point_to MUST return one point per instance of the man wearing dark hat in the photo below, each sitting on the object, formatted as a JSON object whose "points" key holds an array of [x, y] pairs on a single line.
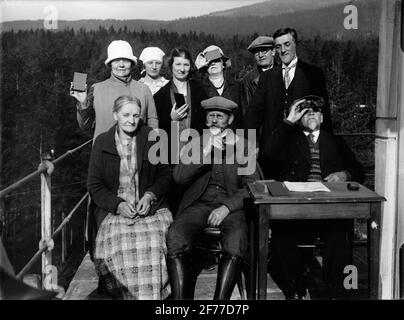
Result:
{"points": [[215, 188], [276, 91], [263, 50], [309, 153]]}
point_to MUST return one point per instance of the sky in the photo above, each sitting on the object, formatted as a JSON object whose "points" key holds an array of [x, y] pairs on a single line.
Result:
{"points": [[114, 9]]}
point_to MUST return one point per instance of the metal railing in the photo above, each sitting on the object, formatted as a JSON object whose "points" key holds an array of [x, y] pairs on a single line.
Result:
{"points": [[42, 168], [46, 243]]}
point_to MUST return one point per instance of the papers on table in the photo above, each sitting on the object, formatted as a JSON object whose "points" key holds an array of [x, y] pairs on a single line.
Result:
{"points": [[305, 186]]}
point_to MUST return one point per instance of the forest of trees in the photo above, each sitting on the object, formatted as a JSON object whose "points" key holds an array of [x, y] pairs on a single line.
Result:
{"points": [[37, 112]]}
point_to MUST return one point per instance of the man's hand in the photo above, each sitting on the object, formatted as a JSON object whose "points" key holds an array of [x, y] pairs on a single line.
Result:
{"points": [[218, 142], [216, 216], [294, 114], [144, 204], [339, 176], [215, 141], [126, 210]]}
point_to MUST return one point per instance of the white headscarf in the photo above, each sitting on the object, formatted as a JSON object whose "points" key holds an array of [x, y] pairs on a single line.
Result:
{"points": [[152, 53]]}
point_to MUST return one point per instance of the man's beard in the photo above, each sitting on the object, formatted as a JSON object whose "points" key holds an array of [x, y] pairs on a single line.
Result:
{"points": [[215, 130]]}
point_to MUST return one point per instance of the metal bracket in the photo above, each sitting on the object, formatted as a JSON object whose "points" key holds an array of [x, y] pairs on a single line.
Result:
{"points": [[49, 166], [49, 243]]}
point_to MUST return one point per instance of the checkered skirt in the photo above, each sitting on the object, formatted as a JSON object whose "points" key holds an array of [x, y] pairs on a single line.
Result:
{"points": [[131, 259]]}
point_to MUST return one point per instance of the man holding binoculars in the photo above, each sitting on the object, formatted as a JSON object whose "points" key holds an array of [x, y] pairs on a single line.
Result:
{"points": [[306, 152]]}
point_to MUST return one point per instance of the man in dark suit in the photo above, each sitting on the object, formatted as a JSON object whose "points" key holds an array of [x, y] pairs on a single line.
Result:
{"points": [[263, 51], [308, 153], [215, 188], [278, 88]]}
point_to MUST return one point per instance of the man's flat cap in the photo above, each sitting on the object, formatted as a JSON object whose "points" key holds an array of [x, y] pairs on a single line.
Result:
{"points": [[219, 103], [261, 42]]}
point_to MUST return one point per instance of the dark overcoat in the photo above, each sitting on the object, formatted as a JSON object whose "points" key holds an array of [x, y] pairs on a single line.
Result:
{"points": [[162, 99], [230, 91], [103, 176], [290, 146]]}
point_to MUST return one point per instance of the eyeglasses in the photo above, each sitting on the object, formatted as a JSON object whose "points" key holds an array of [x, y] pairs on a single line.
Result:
{"points": [[218, 116], [261, 51]]}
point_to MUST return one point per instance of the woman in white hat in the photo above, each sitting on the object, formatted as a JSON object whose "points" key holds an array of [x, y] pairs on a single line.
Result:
{"points": [[152, 58], [213, 62], [95, 107]]}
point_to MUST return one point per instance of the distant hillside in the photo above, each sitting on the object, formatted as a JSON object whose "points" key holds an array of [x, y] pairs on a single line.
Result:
{"points": [[275, 7], [326, 21]]}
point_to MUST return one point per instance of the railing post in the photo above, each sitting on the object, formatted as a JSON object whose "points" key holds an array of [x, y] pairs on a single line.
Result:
{"points": [[63, 240], [46, 225], [3, 219]]}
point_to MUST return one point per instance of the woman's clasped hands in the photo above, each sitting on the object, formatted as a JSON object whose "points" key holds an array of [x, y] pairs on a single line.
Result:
{"points": [[142, 208]]}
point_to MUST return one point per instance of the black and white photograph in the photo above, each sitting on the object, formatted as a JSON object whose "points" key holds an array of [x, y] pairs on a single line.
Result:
{"points": [[220, 152]]}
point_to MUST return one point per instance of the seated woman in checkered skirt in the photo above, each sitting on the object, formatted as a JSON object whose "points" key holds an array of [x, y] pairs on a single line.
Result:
{"points": [[131, 216]]}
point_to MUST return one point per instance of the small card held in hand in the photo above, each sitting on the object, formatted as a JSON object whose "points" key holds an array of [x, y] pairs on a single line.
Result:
{"points": [[276, 189], [79, 82]]}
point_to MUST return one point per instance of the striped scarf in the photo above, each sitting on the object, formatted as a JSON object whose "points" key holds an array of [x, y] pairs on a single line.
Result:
{"points": [[128, 174]]}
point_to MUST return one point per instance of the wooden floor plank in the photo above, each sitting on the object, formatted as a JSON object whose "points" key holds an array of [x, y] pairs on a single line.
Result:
{"points": [[85, 282]]}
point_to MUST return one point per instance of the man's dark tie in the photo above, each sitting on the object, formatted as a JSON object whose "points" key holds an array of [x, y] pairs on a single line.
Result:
{"points": [[311, 136]]}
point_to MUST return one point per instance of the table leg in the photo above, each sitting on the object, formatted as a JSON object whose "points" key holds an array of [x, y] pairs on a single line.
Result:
{"points": [[252, 262], [374, 230], [263, 233]]}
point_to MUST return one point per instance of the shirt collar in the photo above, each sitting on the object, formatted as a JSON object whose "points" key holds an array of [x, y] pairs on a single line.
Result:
{"points": [[265, 69], [126, 80], [231, 137], [293, 62], [315, 133]]}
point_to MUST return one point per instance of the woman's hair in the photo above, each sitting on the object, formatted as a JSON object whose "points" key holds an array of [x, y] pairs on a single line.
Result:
{"points": [[124, 100], [179, 52]]}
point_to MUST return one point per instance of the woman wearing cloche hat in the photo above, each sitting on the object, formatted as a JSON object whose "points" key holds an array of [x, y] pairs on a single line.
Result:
{"points": [[95, 107], [213, 62], [152, 59]]}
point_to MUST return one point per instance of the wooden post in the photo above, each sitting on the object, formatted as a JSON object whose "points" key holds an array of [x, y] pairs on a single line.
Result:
{"points": [[63, 239], [84, 235], [2, 213], [36, 224], [389, 146], [13, 238], [46, 224]]}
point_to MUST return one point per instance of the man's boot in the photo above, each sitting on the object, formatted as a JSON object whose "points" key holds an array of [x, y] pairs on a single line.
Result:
{"points": [[227, 273], [182, 279]]}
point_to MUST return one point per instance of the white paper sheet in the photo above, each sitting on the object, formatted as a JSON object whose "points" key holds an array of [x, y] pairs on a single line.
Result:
{"points": [[305, 186]]}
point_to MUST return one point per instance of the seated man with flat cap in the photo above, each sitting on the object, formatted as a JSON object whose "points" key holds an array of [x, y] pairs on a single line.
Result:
{"points": [[308, 153], [215, 188], [263, 51]]}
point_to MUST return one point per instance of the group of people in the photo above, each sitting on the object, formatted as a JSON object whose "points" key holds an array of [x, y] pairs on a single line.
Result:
{"points": [[146, 216]]}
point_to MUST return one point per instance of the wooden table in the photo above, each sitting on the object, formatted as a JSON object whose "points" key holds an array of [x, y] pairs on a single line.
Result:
{"points": [[340, 203]]}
